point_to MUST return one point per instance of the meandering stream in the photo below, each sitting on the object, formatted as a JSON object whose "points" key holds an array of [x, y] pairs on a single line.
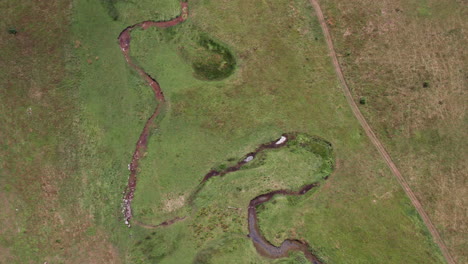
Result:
{"points": [[263, 246]]}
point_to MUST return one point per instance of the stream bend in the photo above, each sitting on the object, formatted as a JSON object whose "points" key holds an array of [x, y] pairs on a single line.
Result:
{"points": [[263, 246]]}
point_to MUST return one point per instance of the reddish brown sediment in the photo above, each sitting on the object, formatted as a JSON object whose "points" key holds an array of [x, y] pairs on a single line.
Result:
{"points": [[214, 173], [163, 224], [263, 246], [270, 145], [124, 42]]}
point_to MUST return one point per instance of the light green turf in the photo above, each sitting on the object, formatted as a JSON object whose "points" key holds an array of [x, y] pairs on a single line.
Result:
{"points": [[132, 12], [284, 82]]}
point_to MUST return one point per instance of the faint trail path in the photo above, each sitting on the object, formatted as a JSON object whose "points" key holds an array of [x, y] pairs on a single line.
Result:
{"points": [[262, 245], [370, 133]]}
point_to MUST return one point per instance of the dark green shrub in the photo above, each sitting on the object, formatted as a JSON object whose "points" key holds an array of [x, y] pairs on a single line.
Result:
{"points": [[12, 31], [111, 9], [363, 100], [213, 61]]}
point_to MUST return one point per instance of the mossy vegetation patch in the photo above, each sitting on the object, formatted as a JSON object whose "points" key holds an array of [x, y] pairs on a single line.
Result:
{"points": [[210, 59], [318, 146]]}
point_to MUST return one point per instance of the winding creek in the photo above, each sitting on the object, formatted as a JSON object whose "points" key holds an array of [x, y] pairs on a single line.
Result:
{"points": [[124, 42], [262, 245]]}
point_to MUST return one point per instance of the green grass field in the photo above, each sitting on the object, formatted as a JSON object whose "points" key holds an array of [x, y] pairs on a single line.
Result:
{"points": [[408, 59], [274, 89], [282, 81], [40, 180]]}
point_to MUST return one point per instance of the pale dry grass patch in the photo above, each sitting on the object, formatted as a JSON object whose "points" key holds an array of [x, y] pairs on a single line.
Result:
{"points": [[173, 203], [409, 60]]}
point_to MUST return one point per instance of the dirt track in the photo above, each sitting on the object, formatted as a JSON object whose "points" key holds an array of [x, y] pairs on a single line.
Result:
{"points": [[370, 133], [124, 39]]}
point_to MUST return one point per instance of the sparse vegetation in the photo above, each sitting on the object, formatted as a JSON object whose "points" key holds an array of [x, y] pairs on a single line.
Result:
{"points": [[40, 181], [410, 60]]}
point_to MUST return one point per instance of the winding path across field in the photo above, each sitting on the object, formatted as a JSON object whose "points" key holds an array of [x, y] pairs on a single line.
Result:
{"points": [[370, 133]]}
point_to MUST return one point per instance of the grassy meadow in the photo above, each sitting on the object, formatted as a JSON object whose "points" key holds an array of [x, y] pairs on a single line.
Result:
{"points": [[408, 59], [40, 183], [235, 75], [362, 215]]}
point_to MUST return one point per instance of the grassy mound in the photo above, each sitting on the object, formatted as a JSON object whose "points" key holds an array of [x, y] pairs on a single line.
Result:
{"points": [[211, 61]]}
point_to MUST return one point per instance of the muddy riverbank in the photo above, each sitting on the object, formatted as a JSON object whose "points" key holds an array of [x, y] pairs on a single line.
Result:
{"points": [[124, 42]]}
